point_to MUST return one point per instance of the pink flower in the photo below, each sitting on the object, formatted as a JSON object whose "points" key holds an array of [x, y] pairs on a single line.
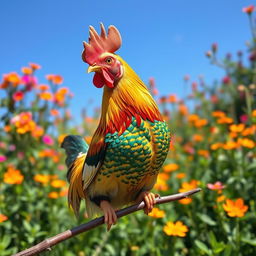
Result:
{"points": [[216, 186], [2, 158], [12, 147], [29, 81], [47, 139], [226, 80], [243, 118]]}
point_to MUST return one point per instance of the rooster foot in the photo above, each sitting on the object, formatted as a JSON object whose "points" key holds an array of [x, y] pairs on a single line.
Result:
{"points": [[110, 217], [150, 200]]}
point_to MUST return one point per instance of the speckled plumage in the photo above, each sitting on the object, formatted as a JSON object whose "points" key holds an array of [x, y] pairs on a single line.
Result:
{"points": [[132, 161]]}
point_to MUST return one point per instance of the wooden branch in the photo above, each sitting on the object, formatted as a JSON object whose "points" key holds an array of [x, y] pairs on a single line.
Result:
{"points": [[49, 242]]}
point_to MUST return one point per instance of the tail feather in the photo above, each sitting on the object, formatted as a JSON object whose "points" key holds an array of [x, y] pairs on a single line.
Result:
{"points": [[76, 149], [75, 191]]}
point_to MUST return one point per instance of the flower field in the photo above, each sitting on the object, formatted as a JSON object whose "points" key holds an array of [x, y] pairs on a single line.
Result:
{"points": [[213, 147]]}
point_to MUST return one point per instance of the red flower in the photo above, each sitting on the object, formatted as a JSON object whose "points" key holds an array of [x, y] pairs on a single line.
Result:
{"points": [[249, 9], [226, 80], [18, 96]]}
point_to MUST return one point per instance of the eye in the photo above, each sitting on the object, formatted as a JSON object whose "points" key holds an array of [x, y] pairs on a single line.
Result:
{"points": [[108, 60]]}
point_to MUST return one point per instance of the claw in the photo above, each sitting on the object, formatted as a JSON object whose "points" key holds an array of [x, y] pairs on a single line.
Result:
{"points": [[150, 200], [110, 217]]}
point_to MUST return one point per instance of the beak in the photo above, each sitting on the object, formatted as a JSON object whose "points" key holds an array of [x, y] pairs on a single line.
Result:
{"points": [[93, 68]]}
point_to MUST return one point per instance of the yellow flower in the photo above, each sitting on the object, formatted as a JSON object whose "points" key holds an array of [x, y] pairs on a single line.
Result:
{"points": [[236, 127], [13, 176], [171, 167], [42, 178], [247, 143], [235, 208], [156, 213], [175, 229], [58, 183], [3, 218], [53, 195]]}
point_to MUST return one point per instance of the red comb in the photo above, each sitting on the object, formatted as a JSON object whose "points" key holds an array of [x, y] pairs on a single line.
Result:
{"points": [[98, 44]]}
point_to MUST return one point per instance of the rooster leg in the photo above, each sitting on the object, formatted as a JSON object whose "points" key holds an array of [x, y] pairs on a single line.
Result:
{"points": [[110, 217], [149, 198]]}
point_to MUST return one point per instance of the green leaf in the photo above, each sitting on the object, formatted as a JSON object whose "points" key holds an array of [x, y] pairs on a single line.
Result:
{"points": [[203, 247], [205, 218], [249, 241]]}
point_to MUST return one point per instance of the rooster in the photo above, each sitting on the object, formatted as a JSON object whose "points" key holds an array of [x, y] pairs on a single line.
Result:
{"points": [[130, 144]]}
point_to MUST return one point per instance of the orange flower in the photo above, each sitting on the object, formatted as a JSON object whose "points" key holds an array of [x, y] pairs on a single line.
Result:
{"points": [[37, 132], [46, 96], [180, 175], [172, 98], [249, 9], [43, 87], [235, 208], [218, 114], [236, 127], [229, 145], [59, 96], [249, 131], [3, 218], [11, 78], [225, 120], [55, 79], [23, 122], [254, 113], [186, 186], [204, 153], [161, 184], [183, 109], [175, 229], [246, 143], [200, 123], [27, 70], [185, 200], [34, 66], [13, 176], [42, 178], [54, 112], [193, 118], [58, 183], [197, 138], [53, 195], [64, 192], [7, 128], [156, 213], [171, 167], [216, 146], [221, 198]]}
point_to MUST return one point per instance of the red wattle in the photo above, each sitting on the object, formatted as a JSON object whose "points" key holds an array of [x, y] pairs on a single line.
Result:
{"points": [[98, 80], [109, 80]]}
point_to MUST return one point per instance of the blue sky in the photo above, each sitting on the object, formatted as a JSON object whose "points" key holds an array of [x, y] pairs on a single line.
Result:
{"points": [[161, 39]]}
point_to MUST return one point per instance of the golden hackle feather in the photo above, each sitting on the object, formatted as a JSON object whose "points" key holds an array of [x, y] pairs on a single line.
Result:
{"points": [[76, 192]]}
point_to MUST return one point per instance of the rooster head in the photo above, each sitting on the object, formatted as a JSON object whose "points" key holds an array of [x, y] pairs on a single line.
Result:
{"points": [[99, 54]]}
